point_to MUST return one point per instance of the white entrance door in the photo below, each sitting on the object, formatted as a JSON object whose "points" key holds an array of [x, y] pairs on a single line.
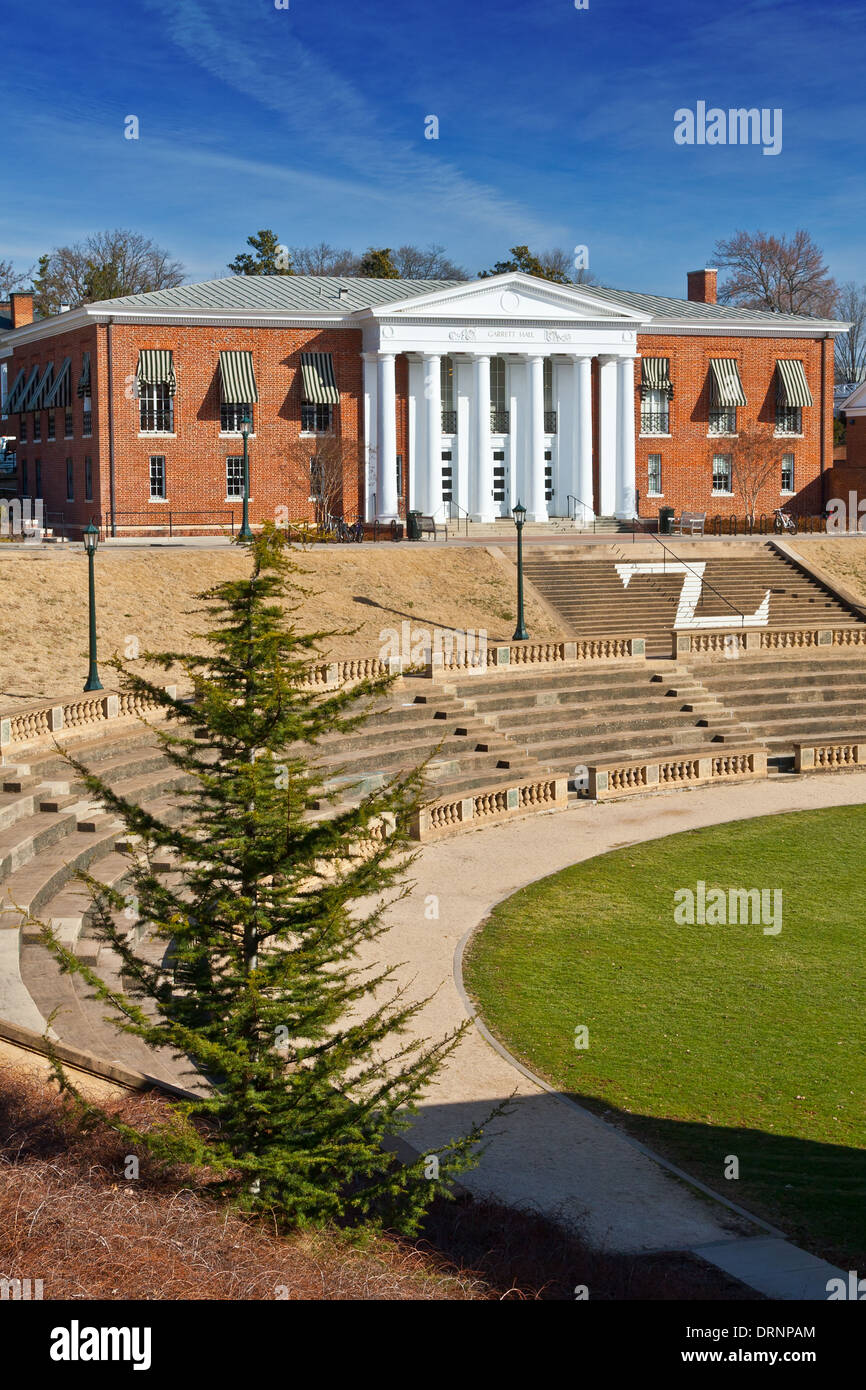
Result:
{"points": [[501, 483]]}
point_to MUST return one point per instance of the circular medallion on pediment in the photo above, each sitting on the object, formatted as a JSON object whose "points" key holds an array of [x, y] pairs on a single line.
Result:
{"points": [[509, 302]]}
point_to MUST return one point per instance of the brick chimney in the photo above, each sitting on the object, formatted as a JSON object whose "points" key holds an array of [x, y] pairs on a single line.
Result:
{"points": [[22, 308], [702, 285]]}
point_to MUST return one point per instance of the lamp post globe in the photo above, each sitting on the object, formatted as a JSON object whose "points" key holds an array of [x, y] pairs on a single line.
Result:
{"points": [[91, 541], [519, 514]]}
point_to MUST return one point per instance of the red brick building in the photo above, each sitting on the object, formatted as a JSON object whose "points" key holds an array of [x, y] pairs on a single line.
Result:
{"points": [[455, 398]]}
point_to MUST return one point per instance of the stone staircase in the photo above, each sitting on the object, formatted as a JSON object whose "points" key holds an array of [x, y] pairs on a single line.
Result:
{"points": [[786, 699], [568, 720], [504, 529], [591, 597]]}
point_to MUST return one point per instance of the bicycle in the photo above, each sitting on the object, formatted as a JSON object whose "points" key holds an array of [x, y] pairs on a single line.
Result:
{"points": [[783, 522]]}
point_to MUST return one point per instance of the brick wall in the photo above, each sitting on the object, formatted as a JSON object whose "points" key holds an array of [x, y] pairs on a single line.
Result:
{"points": [[53, 454], [196, 454], [687, 455], [279, 454]]}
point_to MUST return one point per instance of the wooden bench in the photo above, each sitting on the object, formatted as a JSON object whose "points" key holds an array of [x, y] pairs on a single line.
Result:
{"points": [[691, 522], [429, 527]]}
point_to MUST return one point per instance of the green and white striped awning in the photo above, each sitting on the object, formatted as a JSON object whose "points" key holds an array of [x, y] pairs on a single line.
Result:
{"points": [[15, 390], [237, 378], [726, 376], [36, 399], [320, 384], [156, 368], [655, 375], [61, 392], [793, 386], [84, 379]]}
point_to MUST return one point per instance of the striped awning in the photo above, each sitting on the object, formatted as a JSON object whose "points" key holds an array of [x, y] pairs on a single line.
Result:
{"points": [[36, 399], [237, 378], [84, 379], [655, 375], [726, 375], [61, 392], [156, 368], [793, 386], [15, 389], [320, 384]]}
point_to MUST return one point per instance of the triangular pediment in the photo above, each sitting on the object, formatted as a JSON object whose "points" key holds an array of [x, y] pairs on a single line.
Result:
{"points": [[513, 296]]}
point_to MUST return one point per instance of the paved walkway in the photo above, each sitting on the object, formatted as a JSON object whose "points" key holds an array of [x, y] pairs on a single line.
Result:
{"points": [[549, 1153]]}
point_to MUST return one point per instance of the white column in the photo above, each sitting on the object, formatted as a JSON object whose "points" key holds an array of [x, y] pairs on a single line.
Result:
{"points": [[481, 489], [464, 445], [625, 467], [370, 433], [536, 506], [417, 461], [433, 433], [607, 431], [386, 476], [582, 439]]}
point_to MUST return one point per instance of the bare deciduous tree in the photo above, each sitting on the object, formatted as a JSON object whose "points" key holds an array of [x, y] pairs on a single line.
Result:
{"points": [[430, 263], [754, 462], [328, 466], [323, 259], [786, 275], [12, 279], [103, 266], [851, 346]]}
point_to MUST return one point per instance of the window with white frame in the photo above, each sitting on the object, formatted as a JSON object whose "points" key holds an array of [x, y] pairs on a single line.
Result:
{"points": [[316, 418], [232, 418], [655, 409], [787, 472], [88, 478], [87, 426], [499, 415], [38, 477], [68, 427], [156, 409], [157, 478], [37, 427], [722, 472], [52, 426], [22, 429], [70, 481], [654, 475], [449, 414], [234, 476]]}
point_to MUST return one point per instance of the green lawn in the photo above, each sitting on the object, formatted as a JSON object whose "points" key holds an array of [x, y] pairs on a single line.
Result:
{"points": [[707, 1040]]}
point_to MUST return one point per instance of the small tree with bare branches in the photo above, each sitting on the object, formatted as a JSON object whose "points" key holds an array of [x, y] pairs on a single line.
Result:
{"points": [[754, 460], [329, 466]]}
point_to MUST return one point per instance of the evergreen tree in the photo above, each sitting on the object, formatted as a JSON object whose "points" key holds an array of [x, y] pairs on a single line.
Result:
{"points": [[271, 257], [274, 902], [377, 264]]}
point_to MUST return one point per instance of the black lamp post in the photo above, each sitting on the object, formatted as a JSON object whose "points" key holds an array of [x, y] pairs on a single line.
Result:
{"points": [[245, 533], [91, 540], [519, 514]]}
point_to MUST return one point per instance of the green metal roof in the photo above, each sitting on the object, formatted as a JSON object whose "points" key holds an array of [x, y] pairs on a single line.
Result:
{"points": [[280, 294], [687, 310]]}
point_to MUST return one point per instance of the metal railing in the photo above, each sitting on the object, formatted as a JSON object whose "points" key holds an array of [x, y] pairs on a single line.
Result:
{"points": [[550, 422], [723, 420], [461, 512], [655, 422], [168, 520], [677, 559], [500, 421], [449, 421]]}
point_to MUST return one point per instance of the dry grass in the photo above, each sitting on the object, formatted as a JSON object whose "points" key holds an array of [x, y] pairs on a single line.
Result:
{"points": [[70, 1218], [841, 560], [149, 595]]}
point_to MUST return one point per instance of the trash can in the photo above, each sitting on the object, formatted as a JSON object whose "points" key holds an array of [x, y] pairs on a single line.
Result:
{"points": [[413, 526], [666, 516]]}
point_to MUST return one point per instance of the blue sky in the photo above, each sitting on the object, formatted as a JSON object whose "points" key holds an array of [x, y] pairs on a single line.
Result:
{"points": [[555, 127]]}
